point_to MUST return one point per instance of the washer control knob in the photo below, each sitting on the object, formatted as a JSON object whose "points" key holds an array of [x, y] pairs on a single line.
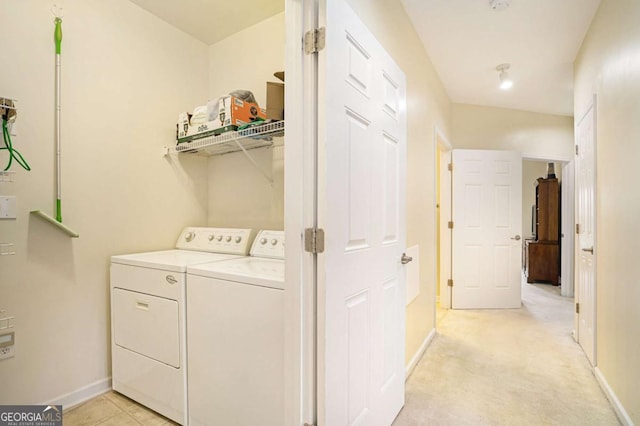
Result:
{"points": [[274, 242], [189, 236], [228, 238], [238, 239], [219, 238], [263, 241], [211, 237]]}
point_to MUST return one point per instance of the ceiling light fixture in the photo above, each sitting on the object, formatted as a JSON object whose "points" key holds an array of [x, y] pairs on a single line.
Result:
{"points": [[505, 82]]}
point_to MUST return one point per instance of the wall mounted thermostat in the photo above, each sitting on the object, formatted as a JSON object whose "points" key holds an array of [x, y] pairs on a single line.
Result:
{"points": [[7, 342]]}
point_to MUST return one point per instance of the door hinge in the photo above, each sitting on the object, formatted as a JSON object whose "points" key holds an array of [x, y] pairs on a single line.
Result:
{"points": [[314, 240], [450, 224], [577, 149], [450, 167], [577, 308], [577, 228], [314, 40], [450, 283]]}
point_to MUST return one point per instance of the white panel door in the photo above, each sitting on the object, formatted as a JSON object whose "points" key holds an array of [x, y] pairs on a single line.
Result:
{"points": [[361, 206], [487, 217], [585, 207]]}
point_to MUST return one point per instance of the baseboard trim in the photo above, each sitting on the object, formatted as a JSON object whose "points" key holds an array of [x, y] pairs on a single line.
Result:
{"points": [[416, 357], [83, 394], [613, 399]]}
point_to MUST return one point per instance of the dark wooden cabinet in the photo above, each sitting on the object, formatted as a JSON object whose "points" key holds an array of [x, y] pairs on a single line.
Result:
{"points": [[548, 210], [543, 254]]}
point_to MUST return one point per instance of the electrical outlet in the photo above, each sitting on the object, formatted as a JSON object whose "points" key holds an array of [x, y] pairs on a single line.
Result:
{"points": [[7, 352]]}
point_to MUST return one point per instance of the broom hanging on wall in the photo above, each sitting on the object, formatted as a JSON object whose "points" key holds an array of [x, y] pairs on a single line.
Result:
{"points": [[58, 219]]}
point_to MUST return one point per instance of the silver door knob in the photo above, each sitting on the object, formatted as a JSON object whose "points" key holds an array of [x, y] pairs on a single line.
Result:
{"points": [[517, 238], [405, 259], [590, 249]]}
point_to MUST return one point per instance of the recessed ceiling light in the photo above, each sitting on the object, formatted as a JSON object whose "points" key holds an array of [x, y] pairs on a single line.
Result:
{"points": [[505, 81], [499, 4]]}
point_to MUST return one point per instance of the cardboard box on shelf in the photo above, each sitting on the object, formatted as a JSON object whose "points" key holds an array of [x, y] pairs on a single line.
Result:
{"points": [[232, 113], [236, 112], [275, 101]]}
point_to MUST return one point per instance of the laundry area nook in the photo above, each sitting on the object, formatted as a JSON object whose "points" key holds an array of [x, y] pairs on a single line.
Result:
{"points": [[319, 212], [173, 156]]}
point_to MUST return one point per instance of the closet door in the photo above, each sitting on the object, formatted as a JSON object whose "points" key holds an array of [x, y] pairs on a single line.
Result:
{"points": [[361, 207]]}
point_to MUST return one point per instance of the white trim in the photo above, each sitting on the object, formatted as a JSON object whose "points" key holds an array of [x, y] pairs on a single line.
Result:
{"points": [[300, 194], [418, 355], [81, 395], [545, 157], [568, 224], [440, 141], [438, 135], [622, 414]]}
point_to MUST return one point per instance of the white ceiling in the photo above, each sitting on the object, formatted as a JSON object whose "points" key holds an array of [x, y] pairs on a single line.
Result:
{"points": [[465, 40], [212, 20]]}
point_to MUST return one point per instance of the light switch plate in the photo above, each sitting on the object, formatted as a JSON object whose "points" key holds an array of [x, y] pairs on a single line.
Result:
{"points": [[7, 207]]}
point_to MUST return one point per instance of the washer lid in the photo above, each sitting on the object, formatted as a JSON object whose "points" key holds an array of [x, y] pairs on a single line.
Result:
{"points": [[259, 271], [170, 260]]}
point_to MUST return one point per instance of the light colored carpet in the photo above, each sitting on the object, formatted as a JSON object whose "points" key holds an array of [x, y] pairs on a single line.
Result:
{"points": [[507, 367]]}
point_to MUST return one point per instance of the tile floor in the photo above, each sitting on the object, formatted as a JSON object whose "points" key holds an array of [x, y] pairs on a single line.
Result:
{"points": [[112, 409]]}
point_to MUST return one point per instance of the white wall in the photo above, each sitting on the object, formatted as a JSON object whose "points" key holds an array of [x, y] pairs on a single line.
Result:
{"points": [[239, 196], [535, 135], [608, 65], [427, 106], [125, 77]]}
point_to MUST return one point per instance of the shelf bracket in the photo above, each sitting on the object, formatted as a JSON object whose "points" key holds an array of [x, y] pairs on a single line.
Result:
{"points": [[255, 164]]}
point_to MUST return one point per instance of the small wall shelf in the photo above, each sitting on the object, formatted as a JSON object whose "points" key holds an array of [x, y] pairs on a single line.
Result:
{"points": [[60, 226], [241, 140]]}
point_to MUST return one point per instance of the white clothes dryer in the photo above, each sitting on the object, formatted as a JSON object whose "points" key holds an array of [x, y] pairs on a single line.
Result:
{"points": [[148, 316], [235, 337]]}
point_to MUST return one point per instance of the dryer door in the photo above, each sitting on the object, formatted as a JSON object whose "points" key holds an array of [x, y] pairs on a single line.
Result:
{"points": [[148, 325]]}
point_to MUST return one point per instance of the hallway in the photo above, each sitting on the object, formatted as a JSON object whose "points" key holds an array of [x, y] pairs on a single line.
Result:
{"points": [[507, 367]]}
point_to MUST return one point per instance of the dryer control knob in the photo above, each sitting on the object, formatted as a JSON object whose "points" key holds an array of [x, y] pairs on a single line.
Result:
{"points": [[189, 236], [274, 242], [211, 237], [229, 238], [219, 238], [263, 241], [238, 239]]}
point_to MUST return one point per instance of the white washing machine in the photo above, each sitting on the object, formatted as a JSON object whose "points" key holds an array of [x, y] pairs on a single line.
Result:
{"points": [[235, 337], [148, 316]]}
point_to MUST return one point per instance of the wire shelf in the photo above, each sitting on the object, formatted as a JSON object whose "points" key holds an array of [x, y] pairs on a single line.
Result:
{"points": [[250, 138]]}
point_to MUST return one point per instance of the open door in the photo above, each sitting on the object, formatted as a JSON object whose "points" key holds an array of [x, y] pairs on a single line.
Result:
{"points": [[487, 227], [361, 207]]}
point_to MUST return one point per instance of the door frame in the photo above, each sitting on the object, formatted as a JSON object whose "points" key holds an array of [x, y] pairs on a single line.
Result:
{"points": [[567, 216], [444, 256], [568, 224], [300, 212]]}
